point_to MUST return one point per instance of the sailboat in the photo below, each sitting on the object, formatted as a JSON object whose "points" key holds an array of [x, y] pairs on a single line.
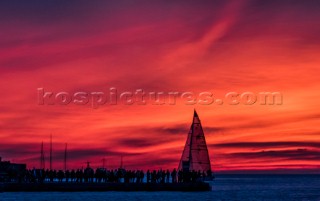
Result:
{"points": [[195, 156]]}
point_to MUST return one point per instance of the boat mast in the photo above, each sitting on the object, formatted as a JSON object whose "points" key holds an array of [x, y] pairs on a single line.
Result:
{"points": [[65, 157], [51, 151], [42, 162]]}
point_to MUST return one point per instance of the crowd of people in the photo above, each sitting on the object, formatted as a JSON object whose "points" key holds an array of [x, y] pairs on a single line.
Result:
{"points": [[103, 175]]}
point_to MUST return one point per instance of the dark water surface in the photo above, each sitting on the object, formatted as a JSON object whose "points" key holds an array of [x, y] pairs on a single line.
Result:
{"points": [[225, 187]]}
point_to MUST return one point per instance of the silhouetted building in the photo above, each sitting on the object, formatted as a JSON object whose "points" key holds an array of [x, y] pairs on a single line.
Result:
{"points": [[10, 170]]}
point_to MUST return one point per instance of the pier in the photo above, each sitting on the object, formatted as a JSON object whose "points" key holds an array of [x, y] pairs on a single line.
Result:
{"points": [[194, 169], [77, 187]]}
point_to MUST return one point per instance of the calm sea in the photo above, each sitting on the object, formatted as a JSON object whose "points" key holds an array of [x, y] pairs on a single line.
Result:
{"points": [[225, 187]]}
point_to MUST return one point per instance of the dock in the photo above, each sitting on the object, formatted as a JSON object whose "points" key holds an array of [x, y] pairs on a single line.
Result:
{"points": [[76, 187]]}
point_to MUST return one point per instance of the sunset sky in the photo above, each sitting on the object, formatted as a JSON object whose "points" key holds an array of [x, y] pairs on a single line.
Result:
{"points": [[169, 46]]}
